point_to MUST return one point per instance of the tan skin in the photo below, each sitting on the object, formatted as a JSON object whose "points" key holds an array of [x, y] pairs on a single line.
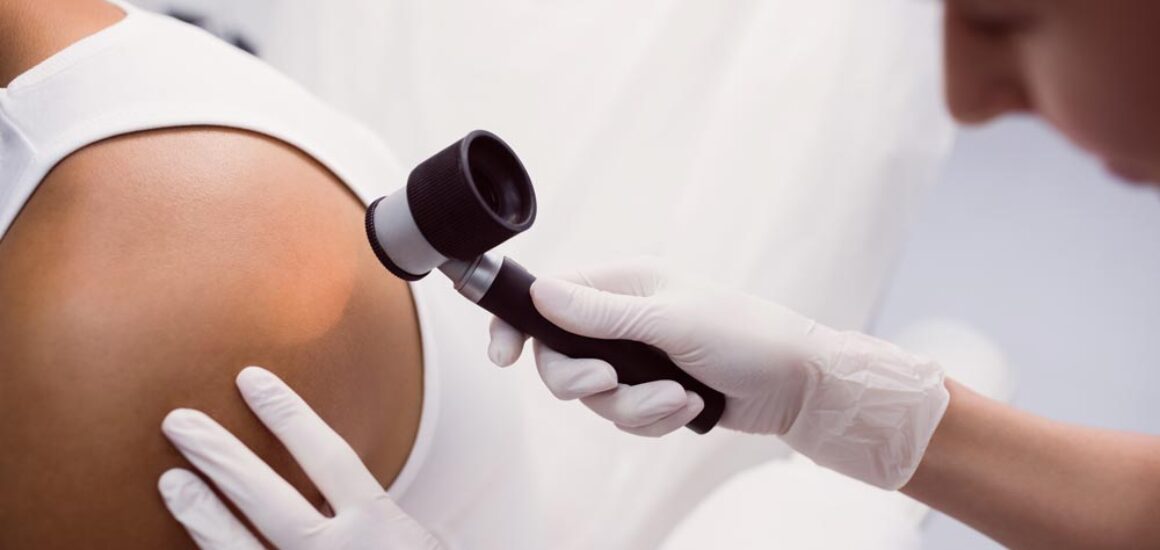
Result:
{"points": [[1090, 68], [144, 273]]}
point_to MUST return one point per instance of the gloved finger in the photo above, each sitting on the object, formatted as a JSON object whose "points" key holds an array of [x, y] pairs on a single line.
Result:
{"points": [[594, 313], [569, 378], [204, 515], [640, 405], [328, 460], [271, 504], [506, 343], [637, 277], [672, 422]]}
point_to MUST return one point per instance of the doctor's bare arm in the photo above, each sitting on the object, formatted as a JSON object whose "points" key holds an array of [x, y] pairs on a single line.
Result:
{"points": [[1029, 482]]}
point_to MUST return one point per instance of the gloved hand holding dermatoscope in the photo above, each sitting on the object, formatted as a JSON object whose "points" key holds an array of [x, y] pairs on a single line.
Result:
{"points": [[468, 199]]}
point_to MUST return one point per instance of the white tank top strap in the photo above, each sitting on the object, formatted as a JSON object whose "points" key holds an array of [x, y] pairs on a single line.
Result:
{"points": [[147, 72]]}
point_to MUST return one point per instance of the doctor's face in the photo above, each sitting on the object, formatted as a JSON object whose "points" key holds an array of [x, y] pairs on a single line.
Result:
{"points": [[1090, 67]]}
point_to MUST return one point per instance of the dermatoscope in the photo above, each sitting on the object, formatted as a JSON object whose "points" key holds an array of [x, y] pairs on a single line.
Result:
{"points": [[466, 200]]}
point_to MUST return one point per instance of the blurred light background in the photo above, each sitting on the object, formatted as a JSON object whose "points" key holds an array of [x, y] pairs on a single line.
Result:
{"points": [[1033, 243], [1027, 240]]}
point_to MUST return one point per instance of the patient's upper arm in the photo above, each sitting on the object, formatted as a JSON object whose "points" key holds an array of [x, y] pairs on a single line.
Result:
{"points": [[142, 276]]}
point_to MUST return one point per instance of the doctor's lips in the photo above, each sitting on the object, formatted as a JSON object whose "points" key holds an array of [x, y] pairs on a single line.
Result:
{"points": [[1129, 173]]}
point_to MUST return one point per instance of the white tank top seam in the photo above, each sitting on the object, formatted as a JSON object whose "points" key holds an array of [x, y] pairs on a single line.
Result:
{"points": [[42, 157], [74, 53], [6, 198]]}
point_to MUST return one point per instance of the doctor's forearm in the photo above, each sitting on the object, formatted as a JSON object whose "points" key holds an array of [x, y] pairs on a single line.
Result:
{"points": [[1029, 482]]}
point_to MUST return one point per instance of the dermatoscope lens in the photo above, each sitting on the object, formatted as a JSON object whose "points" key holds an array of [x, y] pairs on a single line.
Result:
{"points": [[500, 180], [459, 204]]}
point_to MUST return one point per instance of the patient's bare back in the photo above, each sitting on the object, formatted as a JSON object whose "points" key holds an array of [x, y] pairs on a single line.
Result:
{"points": [[145, 272]]}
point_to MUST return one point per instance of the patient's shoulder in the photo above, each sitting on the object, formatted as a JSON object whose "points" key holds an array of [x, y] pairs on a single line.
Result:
{"points": [[142, 276], [195, 220]]}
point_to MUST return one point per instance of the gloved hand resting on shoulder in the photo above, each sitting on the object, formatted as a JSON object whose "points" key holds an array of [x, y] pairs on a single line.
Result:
{"points": [[852, 403], [364, 516]]}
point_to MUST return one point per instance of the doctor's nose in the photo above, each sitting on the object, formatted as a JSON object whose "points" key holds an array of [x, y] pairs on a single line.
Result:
{"points": [[983, 76]]}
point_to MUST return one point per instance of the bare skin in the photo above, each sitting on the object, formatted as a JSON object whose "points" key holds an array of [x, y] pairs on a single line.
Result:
{"points": [[145, 272], [1088, 67], [1029, 482]]}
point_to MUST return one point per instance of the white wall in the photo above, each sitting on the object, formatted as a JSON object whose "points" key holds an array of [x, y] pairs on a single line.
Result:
{"points": [[1033, 243]]}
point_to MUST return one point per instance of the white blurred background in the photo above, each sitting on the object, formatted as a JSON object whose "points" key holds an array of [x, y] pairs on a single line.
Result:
{"points": [[1033, 243], [1023, 238]]}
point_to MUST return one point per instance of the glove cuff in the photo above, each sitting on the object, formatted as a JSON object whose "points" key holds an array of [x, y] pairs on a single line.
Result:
{"points": [[870, 411]]}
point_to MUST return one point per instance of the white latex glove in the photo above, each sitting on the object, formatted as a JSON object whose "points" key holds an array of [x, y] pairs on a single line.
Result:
{"points": [[364, 516], [857, 405]]}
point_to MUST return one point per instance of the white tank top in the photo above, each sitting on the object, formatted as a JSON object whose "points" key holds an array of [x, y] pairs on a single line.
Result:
{"points": [[465, 478]]}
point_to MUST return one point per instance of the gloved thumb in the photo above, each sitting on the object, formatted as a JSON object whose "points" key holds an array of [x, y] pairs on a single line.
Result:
{"points": [[593, 313]]}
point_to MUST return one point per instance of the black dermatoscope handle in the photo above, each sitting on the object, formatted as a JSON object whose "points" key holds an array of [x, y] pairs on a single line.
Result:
{"points": [[509, 298], [464, 201]]}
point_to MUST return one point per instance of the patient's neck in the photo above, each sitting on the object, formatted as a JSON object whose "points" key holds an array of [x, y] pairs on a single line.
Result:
{"points": [[33, 30]]}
